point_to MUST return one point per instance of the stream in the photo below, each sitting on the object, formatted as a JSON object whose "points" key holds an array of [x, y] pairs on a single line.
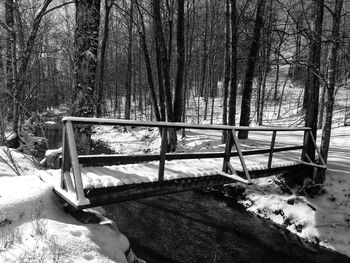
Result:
{"points": [[195, 226]]}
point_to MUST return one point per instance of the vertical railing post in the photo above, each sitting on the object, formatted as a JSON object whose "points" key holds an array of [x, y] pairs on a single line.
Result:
{"points": [[65, 165], [81, 199], [163, 148], [305, 146], [66, 181], [273, 139]]}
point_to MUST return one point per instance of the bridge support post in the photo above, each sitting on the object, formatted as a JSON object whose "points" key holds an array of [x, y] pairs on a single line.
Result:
{"points": [[72, 158], [273, 140], [163, 148], [240, 155], [228, 148]]}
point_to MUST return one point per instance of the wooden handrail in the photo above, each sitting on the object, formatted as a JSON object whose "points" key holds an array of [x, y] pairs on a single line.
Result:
{"points": [[104, 159], [102, 121]]}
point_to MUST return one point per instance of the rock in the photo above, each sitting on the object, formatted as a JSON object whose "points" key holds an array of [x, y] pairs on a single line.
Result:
{"points": [[51, 159]]}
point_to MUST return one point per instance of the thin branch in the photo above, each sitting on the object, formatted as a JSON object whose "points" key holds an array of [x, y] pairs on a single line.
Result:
{"points": [[5, 26], [59, 6]]}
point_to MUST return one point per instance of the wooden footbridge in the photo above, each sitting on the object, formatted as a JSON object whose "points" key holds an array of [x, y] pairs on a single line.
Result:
{"points": [[94, 180]]}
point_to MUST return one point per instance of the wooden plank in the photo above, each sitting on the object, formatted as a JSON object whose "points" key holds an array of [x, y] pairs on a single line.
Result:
{"points": [[103, 121], [120, 194], [273, 139], [116, 159]]}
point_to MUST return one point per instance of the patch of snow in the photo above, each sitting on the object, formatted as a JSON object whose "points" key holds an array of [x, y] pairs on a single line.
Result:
{"points": [[34, 227], [324, 219]]}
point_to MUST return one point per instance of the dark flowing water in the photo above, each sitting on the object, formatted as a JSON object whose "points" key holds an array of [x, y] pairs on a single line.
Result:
{"points": [[199, 227]]}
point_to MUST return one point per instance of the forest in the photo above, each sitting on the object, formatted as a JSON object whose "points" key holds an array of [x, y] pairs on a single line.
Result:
{"points": [[152, 60]]}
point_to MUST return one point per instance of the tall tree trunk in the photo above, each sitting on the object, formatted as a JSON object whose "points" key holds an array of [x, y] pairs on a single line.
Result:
{"points": [[129, 65], [313, 82], [188, 48], [233, 84], [85, 63], [178, 96], [165, 66], [162, 50], [148, 66], [277, 79], [100, 82], [116, 87], [227, 67], [249, 75], [160, 83], [326, 133], [205, 55]]}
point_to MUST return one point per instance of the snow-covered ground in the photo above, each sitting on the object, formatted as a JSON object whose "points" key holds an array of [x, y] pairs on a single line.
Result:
{"points": [[324, 219], [35, 228]]}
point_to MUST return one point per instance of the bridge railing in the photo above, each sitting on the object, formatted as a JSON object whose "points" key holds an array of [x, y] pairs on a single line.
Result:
{"points": [[71, 160]]}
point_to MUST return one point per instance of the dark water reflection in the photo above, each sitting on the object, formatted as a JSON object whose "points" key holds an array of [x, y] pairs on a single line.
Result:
{"points": [[198, 227]]}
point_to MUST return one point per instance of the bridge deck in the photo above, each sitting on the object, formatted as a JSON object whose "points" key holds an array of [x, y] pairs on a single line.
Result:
{"points": [[119, 175]]}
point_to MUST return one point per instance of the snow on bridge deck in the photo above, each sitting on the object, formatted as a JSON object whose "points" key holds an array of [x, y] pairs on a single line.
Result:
{"points": [[118, 175]]}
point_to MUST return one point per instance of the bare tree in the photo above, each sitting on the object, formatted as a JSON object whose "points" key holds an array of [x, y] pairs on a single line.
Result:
{"points": [[249, 74], [85, 63], [178, 96], [312, 84], [100, 82], [227, 67], [233, 81], [129, 64], [332, 64]]}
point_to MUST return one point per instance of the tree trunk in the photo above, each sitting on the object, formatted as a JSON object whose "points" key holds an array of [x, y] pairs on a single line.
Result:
{"points": [[227, 68], [313, 83], [160, 83], [249, 75], [178, 96], [148, 66], [100, 107], [326, 133], [85, 63], [233, 84], [165, 66], [116, 96], [100, 83], [162, 53], [205, 55], [129, 66]]}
